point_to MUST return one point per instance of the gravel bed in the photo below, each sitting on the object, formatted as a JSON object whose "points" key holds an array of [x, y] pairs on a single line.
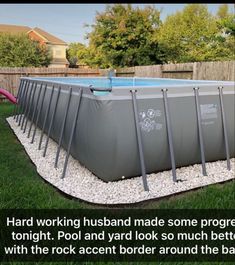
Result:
{"points": [[79, 182]]}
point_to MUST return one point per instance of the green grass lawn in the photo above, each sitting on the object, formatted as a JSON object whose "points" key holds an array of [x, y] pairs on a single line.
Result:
{"points": [[22, 187]]}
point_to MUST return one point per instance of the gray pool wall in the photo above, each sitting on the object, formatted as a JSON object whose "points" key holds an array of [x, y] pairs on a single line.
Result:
{"points": [[105, 138]]}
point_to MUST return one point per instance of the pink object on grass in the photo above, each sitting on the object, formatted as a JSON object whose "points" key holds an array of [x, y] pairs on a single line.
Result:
{"points": [[8, 95]]}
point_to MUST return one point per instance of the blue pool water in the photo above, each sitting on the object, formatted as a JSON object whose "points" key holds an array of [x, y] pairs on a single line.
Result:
{"points": [[117, 82], [121, 82]]}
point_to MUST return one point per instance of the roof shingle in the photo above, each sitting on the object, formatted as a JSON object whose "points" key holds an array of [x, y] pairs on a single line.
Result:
{"points": [[13, 29], [50, 38]]}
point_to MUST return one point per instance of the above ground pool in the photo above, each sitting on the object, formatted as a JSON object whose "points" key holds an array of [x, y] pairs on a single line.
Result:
{"points": [[124, 127]]}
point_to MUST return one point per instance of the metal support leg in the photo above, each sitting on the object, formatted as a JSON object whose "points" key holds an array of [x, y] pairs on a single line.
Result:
{"points": [[62, 128], [39, 112], [27, 106], [30, 105], [34, 111], [200, 131], [17, 99], [224, 128], [24, 99], [45, 118], [51, 122], [72, 133], [169, 134], [139, 140]]}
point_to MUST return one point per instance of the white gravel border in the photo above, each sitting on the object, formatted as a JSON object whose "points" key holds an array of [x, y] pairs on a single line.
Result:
{"points": [[79, 182]]}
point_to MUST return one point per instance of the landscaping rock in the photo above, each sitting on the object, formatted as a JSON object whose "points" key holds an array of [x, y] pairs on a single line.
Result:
{"points": [[79, 182]]}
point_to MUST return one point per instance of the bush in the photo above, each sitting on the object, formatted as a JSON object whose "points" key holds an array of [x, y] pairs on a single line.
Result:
{"points": [[20, 51]]}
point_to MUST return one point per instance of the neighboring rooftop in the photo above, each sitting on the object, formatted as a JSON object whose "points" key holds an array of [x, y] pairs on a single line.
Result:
{"points": [[49, 38], [14, 29]]}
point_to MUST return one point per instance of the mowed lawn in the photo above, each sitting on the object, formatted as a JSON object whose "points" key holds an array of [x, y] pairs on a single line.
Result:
{"points": [[22, 187]]}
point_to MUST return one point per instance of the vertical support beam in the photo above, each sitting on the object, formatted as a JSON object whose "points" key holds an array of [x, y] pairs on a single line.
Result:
{"points": [[224, 127], [72, 133], [34, 111], [169, 134], [139, 140], [45, 118], [62, 128], [196, 93], [39, 112], [51, 122], [20, 99], [27, 103], [24, 99], [17, 98], [30, 104]]}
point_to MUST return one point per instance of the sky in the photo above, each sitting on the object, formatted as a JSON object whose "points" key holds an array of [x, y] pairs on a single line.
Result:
{"points": [[66, 21]]}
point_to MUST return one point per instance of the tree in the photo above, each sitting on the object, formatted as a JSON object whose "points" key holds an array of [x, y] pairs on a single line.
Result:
{"points": [[226, 20], [193, 35], [223, 11], [20, 51], [123, 36], [226, 26], [77, 53]]}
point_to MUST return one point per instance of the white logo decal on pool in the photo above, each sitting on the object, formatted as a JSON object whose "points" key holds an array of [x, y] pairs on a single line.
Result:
{"points": [[209, 111], [142, 115], [151, 113], [148, 121]]}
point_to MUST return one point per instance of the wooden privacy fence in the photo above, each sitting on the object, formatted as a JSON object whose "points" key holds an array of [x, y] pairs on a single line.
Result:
{"points": [[197, 71], [9, 77]]}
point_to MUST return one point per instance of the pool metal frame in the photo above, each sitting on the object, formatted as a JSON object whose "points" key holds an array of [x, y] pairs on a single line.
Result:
{"points": [[22, 115]]}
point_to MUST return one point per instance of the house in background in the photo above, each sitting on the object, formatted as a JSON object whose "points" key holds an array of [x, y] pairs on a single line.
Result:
{"points": [[55, 45]]}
